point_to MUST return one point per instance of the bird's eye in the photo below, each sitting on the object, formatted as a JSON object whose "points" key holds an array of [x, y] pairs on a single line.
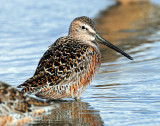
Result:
{"points": [[83, 27]]}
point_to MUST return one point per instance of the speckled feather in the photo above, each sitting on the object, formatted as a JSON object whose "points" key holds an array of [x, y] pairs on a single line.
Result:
{"points": [[66, 68], [12, 100], [70, 64], [64, 64]]}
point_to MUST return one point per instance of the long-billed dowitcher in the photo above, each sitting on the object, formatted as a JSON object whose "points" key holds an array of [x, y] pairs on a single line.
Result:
{"points": [[14, 101], [17, 108], [70, 64]]}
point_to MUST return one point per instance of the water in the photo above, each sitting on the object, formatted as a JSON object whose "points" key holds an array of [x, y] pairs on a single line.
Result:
{"points": [[124, 92]]}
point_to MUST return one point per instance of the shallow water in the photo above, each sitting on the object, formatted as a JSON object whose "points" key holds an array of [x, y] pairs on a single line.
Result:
{"points": [[124, 92]]}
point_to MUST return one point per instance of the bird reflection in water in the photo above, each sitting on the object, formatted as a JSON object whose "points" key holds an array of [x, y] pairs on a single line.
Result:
{"points": [[73, 113]]}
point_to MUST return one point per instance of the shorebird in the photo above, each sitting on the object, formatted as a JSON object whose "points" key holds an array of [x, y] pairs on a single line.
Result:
{"points": [[17, 108], [14, 101], [70, 64]]}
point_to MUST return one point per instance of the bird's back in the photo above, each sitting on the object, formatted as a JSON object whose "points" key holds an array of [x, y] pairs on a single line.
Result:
{"points": [[65, 69], [12, 100]]}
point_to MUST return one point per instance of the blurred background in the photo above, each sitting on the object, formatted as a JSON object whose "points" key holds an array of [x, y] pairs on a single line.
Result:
{"points": [[124, 92]]}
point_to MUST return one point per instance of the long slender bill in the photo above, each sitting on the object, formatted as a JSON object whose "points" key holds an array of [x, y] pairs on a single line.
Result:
{"points": [[103, 41]]}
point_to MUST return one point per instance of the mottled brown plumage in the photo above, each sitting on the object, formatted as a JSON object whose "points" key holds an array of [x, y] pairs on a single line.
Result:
{"points": [[12, 100], [70, 64], [62, 69], [17, 108]]}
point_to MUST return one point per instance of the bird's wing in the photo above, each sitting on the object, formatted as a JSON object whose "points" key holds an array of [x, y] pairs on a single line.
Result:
{"points": [[66, 61], [13, 100]]}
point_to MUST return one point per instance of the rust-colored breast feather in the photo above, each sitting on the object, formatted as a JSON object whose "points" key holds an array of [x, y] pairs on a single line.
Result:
{"points": [[65, 69]]}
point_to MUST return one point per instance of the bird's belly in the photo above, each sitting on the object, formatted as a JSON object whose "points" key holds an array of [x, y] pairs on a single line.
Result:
{"points": [[72, 89]]}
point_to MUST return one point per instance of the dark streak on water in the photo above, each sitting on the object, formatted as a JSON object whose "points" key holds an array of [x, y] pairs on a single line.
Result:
{"points": [[123, 93]]}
